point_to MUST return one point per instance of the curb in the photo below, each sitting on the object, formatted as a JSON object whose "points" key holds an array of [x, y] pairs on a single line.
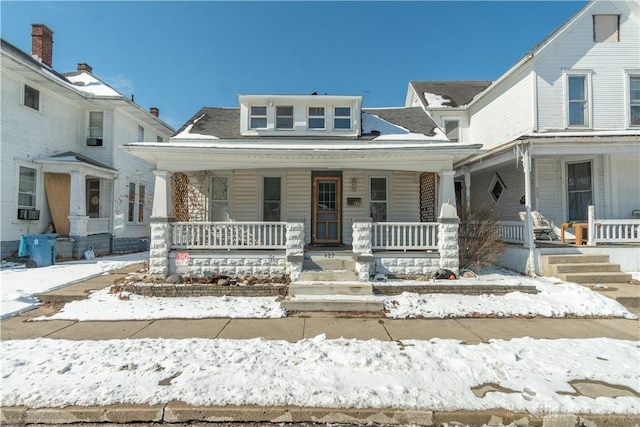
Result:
{"points": [[180, 412]]}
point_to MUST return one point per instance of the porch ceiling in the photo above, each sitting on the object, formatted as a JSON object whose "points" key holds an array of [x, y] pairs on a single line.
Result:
{"points": [[205, 156]]}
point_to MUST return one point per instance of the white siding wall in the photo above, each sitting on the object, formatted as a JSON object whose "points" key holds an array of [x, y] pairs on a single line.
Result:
{"points": [[625, 185], [508, 205], [245, 195], [505, 113], [606, 63]]}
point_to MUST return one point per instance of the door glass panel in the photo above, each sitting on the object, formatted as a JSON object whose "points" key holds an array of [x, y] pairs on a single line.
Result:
{"points": [[580, 194], [327, 210]]}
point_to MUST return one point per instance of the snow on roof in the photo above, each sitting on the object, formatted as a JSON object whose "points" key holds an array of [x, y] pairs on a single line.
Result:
{"points": [[436, 101], [186, 132], [389, 131], [89, 84]]}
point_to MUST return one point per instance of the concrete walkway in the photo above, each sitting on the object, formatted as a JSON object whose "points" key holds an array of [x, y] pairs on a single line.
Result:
{"points": [[308, 325]]}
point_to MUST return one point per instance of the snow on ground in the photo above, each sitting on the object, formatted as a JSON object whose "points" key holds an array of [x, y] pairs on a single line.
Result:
{"points": [[18, 284], [319, 372]]}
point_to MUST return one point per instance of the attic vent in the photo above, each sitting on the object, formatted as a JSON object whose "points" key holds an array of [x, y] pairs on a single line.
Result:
{"points": [[79, 83]]}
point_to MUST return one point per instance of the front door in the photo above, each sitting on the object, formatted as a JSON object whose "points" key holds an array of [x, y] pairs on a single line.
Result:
{"points": [[327, 213]]}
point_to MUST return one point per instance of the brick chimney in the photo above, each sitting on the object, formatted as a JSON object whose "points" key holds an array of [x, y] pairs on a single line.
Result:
{"points": [[154, 111], [42, 43], [84, 67]]}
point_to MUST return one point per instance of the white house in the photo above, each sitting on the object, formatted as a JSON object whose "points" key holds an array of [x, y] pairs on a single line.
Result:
{"points": [[62, 165], [560, 128], [251, 190]]}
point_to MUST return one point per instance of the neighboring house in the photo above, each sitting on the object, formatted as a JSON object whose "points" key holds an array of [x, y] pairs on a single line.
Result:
{"points": [[249, 190], [62, 165], [570, 108]]}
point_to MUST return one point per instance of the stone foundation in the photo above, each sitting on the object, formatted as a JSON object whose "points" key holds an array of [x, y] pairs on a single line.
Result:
{"points": [[101, 245], [231, 264], [130, 245], [406, 264], [206, 290]]}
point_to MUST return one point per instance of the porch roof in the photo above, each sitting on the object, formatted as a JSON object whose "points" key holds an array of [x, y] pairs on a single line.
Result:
{"points": [[69, 160]]}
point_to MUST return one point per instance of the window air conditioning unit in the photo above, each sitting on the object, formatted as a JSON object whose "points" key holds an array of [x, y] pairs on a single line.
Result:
{"points": [[94, 142], [29, 214]]}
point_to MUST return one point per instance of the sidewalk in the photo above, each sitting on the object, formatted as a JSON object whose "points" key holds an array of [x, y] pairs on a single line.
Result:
{"points": [[308, 325]]}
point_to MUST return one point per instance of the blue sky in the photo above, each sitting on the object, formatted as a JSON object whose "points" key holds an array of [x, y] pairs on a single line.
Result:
{"points": [[182, 55]]}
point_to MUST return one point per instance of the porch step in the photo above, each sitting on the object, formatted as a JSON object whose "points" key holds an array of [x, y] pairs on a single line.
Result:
{"points": [[328, 261], [329, 275], [583, 268], [304, 288], [342, 303]]}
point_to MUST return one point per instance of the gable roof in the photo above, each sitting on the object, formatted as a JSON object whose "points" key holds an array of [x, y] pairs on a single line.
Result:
{"points": [[449, 93], [224, 123]]}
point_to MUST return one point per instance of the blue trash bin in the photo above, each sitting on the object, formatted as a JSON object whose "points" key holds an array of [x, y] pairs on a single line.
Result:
{"points": [[41, 248]]}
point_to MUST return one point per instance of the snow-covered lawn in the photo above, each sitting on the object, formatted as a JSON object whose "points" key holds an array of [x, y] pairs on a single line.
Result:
{"points": [[319, 372]]}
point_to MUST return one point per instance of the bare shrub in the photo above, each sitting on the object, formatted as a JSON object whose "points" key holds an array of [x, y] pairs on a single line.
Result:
{"points": [[478, 237]]}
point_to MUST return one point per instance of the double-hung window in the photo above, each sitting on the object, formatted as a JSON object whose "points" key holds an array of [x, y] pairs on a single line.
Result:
{"points": [[342, 118], [219, 199], [27, 188], [578, 100], [271, 198], [378, 199], [96, 128], [316, 118], [284, 117], [452, 130], [31, 98], [634, 100], [136, 203], [258, 117]]}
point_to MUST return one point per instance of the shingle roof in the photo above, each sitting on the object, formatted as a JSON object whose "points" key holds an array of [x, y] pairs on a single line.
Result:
{"points": [[81, 158], [224, 123], [458, 93]]}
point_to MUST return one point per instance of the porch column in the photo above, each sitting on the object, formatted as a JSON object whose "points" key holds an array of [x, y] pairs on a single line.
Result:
{"points": [[448, 238], [447, 190], [362, 250], [529, 237], [78, 219], [295, 248], [467, 186], [161, 218]]}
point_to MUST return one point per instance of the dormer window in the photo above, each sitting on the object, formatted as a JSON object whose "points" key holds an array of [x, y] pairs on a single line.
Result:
{"points": [[258, 117], [284, 117], [316, 118], [342, 118]]}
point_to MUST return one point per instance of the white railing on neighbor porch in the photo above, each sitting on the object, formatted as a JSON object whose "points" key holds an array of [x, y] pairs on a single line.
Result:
{"points": [[98, 226], [511, 231], [617, 230], [228, 235], [404, 236]]}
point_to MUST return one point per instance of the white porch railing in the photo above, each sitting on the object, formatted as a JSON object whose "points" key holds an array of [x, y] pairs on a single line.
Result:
{"points": [[98, 226], [404, 235], [228, 235], [617, 230], [511, 231]]}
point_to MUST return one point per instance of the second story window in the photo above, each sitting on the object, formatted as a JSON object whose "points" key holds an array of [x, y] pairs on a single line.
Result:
{"points": [[284, 117], [342, 118], [140, 133], [96, 128], [452, 130], [578, 105], [316, 118], [634, 100], [31, 98], [258, 119]]}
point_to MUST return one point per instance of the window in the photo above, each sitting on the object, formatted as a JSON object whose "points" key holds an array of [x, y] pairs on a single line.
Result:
{"points": [[342, 118], [316, 118], [378, 199], [258, 117], [271, 198], [27, 188], [136, 202], [96, 126], [634, 100], [140, 133], [579, 190], [497, 187], [284, 117], [31, 98], [451, 129], [606, 28], [219, 203], [578, 103], [93, 198], [159, 138]]}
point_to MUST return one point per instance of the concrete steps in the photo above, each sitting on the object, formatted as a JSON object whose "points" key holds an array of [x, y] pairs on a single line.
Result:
{"points": [[583, 268]]}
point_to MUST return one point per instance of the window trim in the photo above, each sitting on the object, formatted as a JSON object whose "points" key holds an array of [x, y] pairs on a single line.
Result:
{"points": [[588, 114], [264, 116], [282, 177], [630, 74], [137, 203], [336, 117], [387, 200], [496, 180], [323, 117], [24, 98], [292, 116]]}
